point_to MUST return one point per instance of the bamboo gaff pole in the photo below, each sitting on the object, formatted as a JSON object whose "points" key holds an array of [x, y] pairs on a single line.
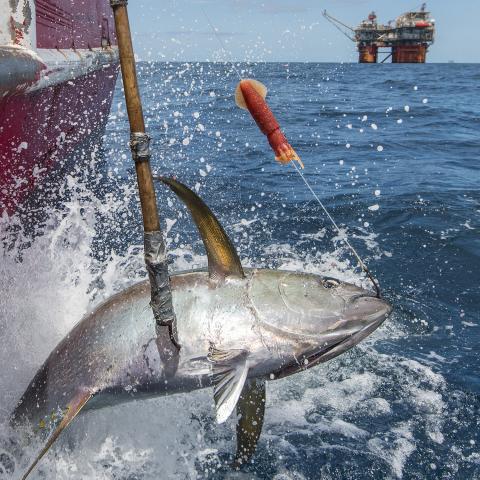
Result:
{"points": [[155, 257]]}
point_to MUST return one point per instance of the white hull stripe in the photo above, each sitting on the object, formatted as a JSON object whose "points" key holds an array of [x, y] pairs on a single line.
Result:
{"points": [[66, 65]]}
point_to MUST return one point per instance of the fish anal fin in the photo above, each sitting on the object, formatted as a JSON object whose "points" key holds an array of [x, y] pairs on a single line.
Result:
{"points": [[230, 371], [251, 412], [223, 259], [80, 399], [259, 87]]}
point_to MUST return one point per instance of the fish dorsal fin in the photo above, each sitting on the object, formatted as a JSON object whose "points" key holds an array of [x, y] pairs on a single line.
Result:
{"points": [[229, 372], [251, 412], [79, 400], [223, 259], [259, 87]]}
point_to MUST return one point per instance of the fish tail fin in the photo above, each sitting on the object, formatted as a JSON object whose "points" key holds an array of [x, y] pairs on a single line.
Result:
{"points": [[259, 87], [79, 400]]}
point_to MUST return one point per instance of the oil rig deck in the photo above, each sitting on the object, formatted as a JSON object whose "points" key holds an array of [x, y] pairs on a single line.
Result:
{"points": [[405, 40]]}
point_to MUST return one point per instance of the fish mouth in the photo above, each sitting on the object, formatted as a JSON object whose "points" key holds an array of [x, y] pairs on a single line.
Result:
{"points": [[367, 309], [371, 322]]}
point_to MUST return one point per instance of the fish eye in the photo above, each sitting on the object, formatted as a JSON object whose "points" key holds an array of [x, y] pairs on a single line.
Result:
{"points": [[330, 283]]}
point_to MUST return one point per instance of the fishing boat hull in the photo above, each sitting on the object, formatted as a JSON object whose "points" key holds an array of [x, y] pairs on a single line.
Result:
{"points": [[59, 66]]}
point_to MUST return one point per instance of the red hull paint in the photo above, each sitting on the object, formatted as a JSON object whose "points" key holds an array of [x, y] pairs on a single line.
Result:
{"points": [[57, 76], [40, 128], [67, 24]]}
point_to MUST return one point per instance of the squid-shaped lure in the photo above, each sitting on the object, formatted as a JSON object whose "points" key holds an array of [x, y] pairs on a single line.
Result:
{"points": [[250, 95]]}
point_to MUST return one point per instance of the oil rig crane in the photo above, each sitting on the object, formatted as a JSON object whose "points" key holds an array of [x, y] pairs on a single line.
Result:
{"points": [[338, 25]]}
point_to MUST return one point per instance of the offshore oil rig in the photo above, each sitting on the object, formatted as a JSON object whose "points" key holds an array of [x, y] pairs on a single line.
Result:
{"points": [[406, 39]]}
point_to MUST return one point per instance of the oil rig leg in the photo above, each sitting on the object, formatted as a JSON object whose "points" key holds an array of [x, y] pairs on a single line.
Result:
{"points": [[367, 53], [409, 54]]}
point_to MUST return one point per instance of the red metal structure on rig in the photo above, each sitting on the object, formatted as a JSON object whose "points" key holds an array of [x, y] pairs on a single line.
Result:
{"points": [[407, 40]]}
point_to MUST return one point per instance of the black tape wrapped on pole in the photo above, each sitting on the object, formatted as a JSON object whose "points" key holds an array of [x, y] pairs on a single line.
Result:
{"points": [[161, 294], [155, 254]]}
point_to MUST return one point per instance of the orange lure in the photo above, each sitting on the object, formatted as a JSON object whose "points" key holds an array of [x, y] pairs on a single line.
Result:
{"points": [[250, 95]]}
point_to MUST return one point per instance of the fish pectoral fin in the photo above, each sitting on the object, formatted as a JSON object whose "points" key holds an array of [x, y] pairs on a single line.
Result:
{"points": [[259, 87], [250, 411], [230, 370], [79, 400], [223, 259]]}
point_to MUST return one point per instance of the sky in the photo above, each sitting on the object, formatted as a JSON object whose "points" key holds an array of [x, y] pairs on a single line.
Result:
{"points": [[286, 30]]}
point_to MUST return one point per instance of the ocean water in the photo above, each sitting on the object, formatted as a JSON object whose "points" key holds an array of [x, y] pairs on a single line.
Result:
{"points": [[394, 152]]}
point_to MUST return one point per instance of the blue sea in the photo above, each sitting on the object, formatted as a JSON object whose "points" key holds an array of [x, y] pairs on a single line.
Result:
{"points": [[394, 153]]}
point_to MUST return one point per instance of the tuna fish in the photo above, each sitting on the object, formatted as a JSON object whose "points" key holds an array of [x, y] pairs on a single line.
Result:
{"points": [[238, 329]]}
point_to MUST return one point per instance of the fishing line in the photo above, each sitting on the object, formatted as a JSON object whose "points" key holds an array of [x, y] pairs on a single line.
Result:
{"points": [[362, 264], [220, 41], [343, 235]]}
